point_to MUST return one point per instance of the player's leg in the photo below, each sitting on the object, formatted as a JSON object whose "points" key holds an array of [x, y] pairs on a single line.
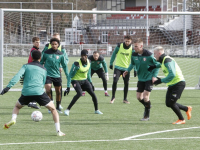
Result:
{"points": [[101, 74], [173, 94], [19, 104], [33, 104], [44, 100], [179, 87], [61, 91], [58, 98], [140, 94], [57, 85], [147, 103], [116, 76], [126, 84], [48, 90], [87, 87], [77, 88]]}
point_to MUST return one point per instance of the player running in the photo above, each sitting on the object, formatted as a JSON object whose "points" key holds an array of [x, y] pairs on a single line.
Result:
{"points": [[33, 89], [62, 49], [175, 82], [141, 59], [53, 58]]}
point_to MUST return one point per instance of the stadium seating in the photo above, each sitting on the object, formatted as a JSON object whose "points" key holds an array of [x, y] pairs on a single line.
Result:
{"points": [[137, 8]]}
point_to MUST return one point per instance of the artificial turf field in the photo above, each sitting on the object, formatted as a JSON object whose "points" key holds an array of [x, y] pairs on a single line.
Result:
{"points": [[118, 128]]}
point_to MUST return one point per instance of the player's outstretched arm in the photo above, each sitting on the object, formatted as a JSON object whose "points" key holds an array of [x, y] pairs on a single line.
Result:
{"points": [[5, 90]]}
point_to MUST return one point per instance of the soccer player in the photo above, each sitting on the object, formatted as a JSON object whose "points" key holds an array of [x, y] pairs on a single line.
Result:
{"points": [[175, 82], [62, 49], [141, 59], [97, 62], [53, 58], [122, 53], [36, 45], [80, 78], [33, 89]]}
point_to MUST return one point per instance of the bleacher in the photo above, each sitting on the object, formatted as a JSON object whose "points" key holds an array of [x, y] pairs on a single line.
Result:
{"points": [[137, 8]]}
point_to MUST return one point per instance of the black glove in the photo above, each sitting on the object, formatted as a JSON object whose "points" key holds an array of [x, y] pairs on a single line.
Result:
{"points": [[157, 81], [151, 67], [67, 91], [21, 81], [5, 90], [92, 86], [135, 73], [111, 67]]}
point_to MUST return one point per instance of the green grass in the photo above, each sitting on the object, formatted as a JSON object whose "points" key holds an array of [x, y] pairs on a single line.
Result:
{"points": [[88, 131], [119, 121], [189, 67]]}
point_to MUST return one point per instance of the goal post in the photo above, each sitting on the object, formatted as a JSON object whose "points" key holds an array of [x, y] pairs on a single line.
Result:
{"points": [[99, 31], [1, 48]]}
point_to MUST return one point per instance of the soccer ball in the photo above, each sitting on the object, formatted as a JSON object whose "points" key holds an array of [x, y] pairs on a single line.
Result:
{"points": [[36, 116]]}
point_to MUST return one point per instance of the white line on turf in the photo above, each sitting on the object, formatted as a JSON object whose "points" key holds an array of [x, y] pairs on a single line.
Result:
{"points": [[132, 138], [84, 141], [150, 133]]}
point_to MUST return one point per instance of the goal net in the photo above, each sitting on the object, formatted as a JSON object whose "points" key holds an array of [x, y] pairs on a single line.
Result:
{"points": [[99, 31]]}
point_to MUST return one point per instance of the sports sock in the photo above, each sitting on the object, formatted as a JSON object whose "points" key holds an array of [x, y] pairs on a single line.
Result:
{"points": [[176, 109], [57, 104], [51, 95], [142, 101], [57, 125], [106, 92], [14, 116], [184, 108]]}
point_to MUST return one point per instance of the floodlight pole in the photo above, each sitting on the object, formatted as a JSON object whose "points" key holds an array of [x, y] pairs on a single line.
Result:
{"points": [[1, 48]]}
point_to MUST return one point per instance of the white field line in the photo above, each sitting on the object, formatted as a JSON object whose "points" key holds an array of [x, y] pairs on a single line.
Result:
{"points": [[157, 132], [132, 138], [110, 89]]}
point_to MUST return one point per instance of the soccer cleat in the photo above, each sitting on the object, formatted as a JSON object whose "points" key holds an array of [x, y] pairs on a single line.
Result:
{"points": [[189, 115], [106, 94], [83, 94], [179, 122], [112, 100], [98, 112], [7, 125], [59, 111], [126, 102], [59, 133], [33, 105], [145, 119], [66, 112], [60, 107]]}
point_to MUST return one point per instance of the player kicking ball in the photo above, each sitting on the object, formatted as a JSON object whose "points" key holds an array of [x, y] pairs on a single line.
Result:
{"points": [[33, 89], [80, 79]]}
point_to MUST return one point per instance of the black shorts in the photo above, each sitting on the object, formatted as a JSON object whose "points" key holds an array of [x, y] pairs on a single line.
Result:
{"points": [[42, 100], [176, 90], [55, 81], [118, 73], [99, 72], [147, 86], [83, 85]]}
